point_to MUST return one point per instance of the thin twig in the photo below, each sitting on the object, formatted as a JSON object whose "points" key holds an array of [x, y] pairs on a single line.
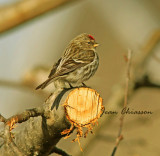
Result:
{"points": [[146, 82], [19, 118], [120, 136], [13, 84], [19, 85]]}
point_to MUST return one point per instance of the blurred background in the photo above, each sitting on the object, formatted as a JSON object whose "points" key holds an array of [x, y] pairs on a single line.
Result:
{"points": [[29, 48]]}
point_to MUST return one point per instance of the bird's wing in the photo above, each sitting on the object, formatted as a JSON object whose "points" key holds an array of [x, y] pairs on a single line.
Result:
{"points": [[54, 68], [79, 59]]}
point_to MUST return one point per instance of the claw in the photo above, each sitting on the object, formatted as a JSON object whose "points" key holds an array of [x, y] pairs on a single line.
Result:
{"points": [[84, 85], [70, 85]]}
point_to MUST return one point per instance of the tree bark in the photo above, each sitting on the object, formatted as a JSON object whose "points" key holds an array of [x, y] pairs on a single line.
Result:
{"points": [[38, 130], [38, 135]]}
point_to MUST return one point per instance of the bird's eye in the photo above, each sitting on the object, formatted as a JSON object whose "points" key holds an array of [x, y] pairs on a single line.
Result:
{"points": [[89, 42]]}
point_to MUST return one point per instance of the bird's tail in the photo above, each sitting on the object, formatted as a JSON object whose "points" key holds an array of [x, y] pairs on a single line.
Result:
{"points": [[44, 84]]}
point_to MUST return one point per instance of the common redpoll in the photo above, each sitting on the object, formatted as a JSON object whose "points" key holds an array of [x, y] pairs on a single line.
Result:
{"points": [[78, 63]]}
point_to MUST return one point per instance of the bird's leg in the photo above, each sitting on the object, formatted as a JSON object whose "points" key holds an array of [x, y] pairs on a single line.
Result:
{"points": [[70, 85], [83, 84]]}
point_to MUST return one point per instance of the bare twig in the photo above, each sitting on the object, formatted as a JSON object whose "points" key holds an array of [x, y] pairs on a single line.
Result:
{"points": [[19, 118], [20, 86], [120, 136], [12, 84], [145, 82]]}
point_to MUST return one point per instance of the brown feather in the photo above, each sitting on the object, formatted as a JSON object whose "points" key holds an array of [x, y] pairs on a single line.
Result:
{"points": [[54, 68], [44, 84], [79, 59]]}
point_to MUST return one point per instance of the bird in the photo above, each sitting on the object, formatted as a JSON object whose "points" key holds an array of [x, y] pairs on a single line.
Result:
{"points": [[78, 63]]}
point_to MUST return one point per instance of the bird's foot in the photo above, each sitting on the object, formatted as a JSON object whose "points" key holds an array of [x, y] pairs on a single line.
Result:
{"points": [[84, 85], [71, 86]]}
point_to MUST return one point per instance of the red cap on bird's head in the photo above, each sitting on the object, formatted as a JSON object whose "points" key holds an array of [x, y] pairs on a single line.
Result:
{"points": [[91, 37]]}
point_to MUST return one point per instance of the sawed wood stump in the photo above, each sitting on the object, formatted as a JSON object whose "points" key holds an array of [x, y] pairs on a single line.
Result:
{"points": [[83, 107]]}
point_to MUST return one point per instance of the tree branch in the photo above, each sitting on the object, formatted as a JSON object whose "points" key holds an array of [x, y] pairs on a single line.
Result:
{"points": [[145, 82], [39, 131], [19, 86], [25, 10], [120, 136], [12, 84]]}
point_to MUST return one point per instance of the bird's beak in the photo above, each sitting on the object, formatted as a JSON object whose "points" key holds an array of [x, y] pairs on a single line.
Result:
{"points": [[96, 45]]}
